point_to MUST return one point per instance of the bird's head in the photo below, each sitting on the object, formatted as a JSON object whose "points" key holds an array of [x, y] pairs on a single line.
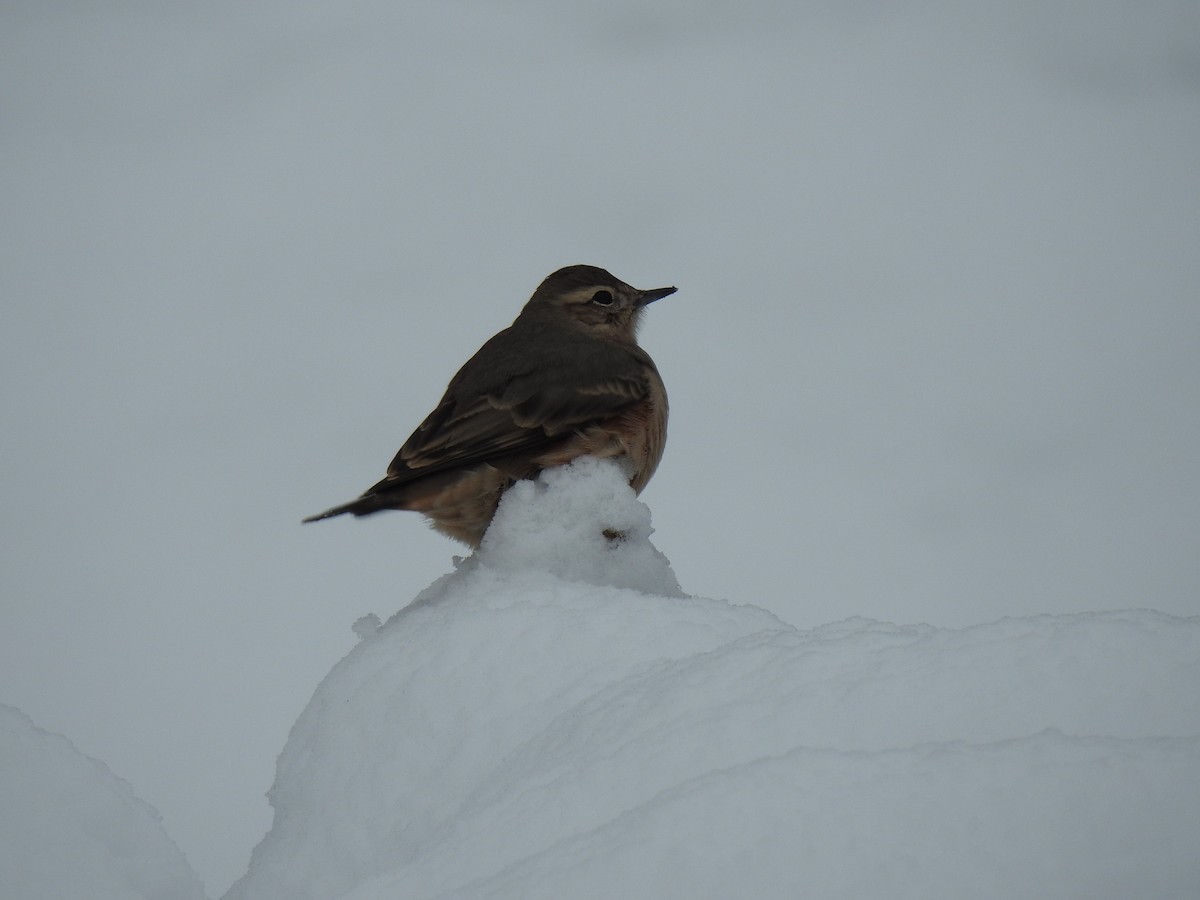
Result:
{"points": [[591, 299]]}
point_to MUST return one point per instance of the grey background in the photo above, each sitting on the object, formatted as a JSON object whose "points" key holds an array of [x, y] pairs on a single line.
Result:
{"points": [[934, 356]]}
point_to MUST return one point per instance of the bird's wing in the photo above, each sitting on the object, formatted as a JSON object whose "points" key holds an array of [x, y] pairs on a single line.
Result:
{"points": [[523, 412]]}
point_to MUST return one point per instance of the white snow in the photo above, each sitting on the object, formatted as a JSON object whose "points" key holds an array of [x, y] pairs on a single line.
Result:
{"points": [[556, 719], [525, 729], [71, 830]]}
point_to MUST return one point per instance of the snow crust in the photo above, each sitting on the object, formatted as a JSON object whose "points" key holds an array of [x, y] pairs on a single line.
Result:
{"points": [[555, 719], [69, 828]]}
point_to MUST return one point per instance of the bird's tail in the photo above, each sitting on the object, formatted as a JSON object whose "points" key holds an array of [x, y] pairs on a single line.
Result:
{"points": [[359, 507]]}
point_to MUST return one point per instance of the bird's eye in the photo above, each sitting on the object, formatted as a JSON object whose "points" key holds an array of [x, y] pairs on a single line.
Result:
{"points": [[602, 298]]}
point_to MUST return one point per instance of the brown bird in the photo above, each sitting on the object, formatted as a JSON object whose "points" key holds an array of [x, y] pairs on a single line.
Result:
{"points": [[566, 379]]}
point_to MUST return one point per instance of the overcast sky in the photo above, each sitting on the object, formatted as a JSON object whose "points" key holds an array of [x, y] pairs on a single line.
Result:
{"points": [[935, 355]]}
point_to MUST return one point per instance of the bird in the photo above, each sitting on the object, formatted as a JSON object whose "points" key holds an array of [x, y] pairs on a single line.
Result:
{"points": [[566, 379]]}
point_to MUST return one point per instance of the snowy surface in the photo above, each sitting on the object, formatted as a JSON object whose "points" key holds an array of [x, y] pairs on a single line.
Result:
{"points": [[523, 731], [933, 357], [71, 830]]}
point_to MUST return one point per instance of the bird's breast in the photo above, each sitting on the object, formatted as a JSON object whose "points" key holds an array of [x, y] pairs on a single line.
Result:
{"points": [[638, 432]]}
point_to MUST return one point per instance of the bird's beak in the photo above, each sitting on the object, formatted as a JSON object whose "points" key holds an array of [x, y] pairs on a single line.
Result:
{"points": [[648, 297]]}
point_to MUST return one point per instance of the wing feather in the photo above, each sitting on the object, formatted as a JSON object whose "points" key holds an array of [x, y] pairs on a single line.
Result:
{"points": [[508, 400]]}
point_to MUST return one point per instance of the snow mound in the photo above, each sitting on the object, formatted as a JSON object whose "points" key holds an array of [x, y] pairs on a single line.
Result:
{"points": [[579, 522], [70, 828], [524, 730]]}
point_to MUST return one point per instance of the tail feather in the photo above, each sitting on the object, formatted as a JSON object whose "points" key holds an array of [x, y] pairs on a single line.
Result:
{"points": [[359, 507], [404, 491]]}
